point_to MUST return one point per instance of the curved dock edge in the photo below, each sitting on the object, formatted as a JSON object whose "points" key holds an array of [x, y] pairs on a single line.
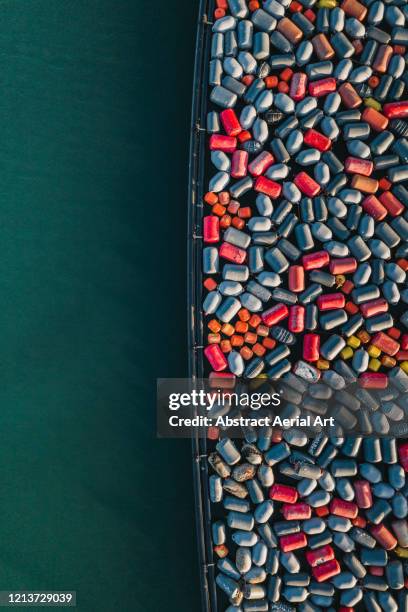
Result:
{"points": [[194, 273]]}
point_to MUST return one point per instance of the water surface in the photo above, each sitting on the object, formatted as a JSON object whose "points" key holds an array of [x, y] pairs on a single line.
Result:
{"points": [[94, 112]]}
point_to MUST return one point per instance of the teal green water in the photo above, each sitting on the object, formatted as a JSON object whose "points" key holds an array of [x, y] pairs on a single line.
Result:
{"points": [[94, 114]]}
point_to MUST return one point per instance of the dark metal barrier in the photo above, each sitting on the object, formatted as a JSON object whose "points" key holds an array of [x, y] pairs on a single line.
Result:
{"points": [[195, 323]]}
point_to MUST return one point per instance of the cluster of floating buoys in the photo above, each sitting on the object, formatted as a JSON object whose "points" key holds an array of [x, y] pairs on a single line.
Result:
{"points": [[305, 256], [305, 227], [308, 524]]}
